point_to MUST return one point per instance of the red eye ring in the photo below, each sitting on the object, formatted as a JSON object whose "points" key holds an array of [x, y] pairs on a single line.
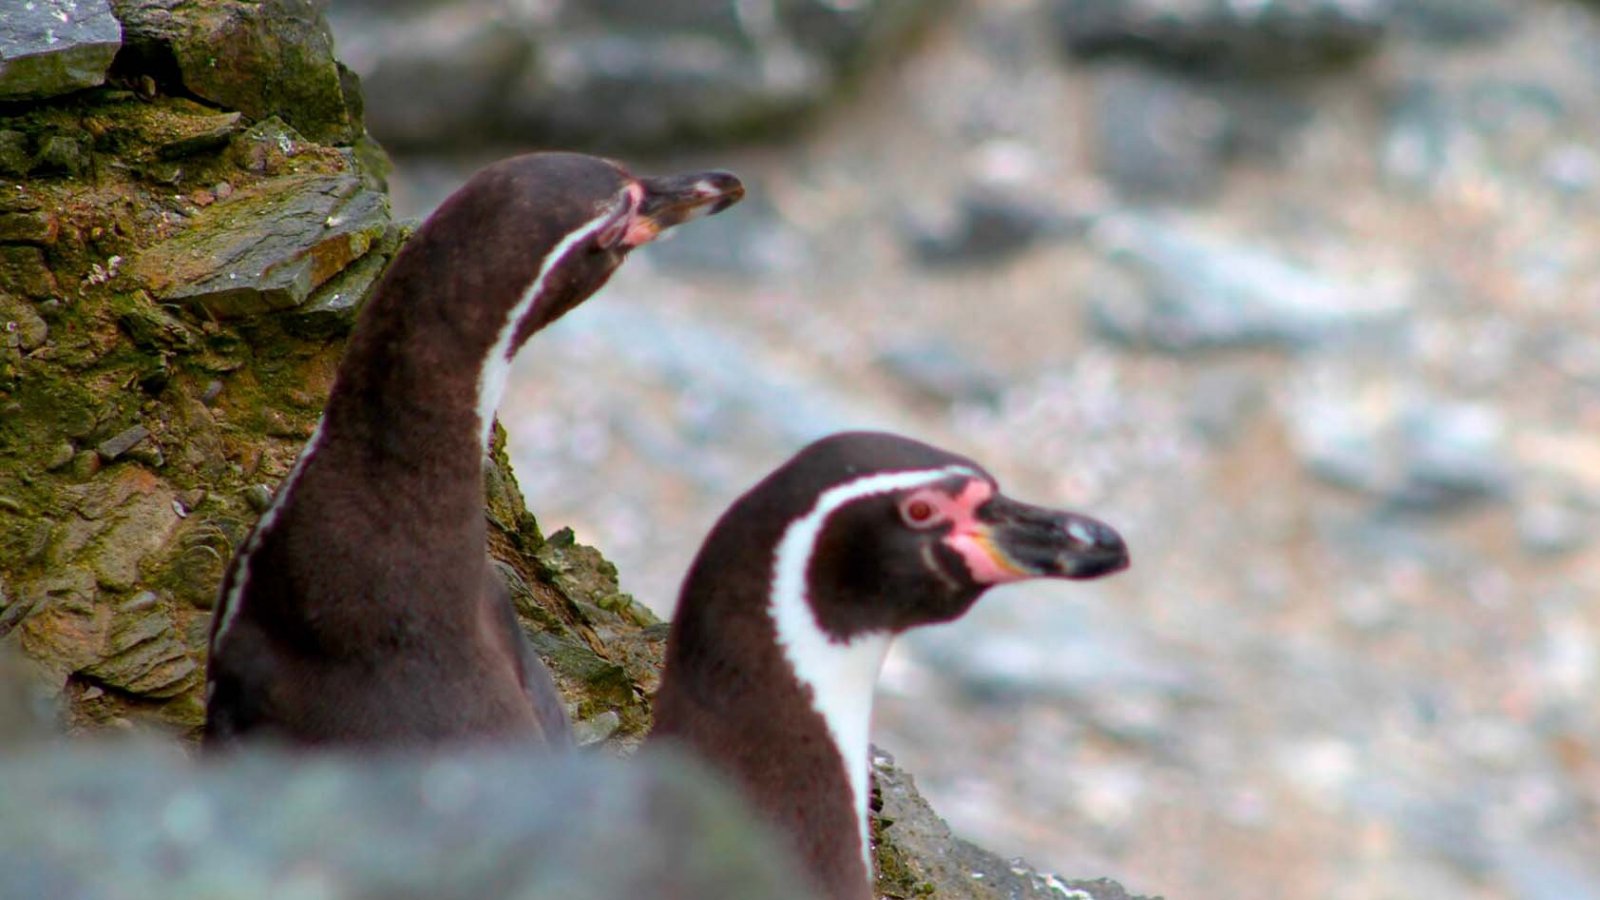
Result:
{"points": [[920, 512]]}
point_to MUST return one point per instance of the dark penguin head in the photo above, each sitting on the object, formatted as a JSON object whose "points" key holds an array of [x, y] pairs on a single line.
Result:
{"points": [[887, 533], [519, 245], [789, 609]]}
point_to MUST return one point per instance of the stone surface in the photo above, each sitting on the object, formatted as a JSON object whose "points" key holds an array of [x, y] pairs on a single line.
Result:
{"points": [[928, 861], [27, 709], [267, 248], [990, 225], [269, 58], [936, 370], [611, 74], [51, 47], [1454, 21], [1185, 289], [131, 820], [1399, 444], [1264, 37], [1158, 135]]}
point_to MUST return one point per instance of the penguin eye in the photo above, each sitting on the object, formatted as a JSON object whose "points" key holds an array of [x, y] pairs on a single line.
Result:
{"points": [[920, 512]]}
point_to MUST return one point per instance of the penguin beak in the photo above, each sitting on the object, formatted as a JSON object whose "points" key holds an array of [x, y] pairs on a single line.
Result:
{"points": [[1012, 541], [674, 199]]}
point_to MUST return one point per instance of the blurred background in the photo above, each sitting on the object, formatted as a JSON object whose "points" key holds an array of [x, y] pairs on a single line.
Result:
{"points": [[1301, 295]]}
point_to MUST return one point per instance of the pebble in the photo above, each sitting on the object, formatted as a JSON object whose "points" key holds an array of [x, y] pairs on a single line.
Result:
{"points": [[114, 447]]}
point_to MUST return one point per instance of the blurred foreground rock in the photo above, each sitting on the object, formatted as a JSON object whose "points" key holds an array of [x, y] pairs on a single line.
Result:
{"points": [[134, 820]]}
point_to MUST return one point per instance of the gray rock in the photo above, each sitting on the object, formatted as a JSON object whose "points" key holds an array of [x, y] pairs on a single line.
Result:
{"points": [[1439, 132], [1555, 523], [749, 241], [129, 821], [990, 226], [1158, 135], [614, 73], [267, 248], [435, 77], [1181, 289], [1400, 445], [261, 57], [1454, 21], [113, 447], [28, 712], [939, 371], [930, 861], [50, 47], [1262, 37]]}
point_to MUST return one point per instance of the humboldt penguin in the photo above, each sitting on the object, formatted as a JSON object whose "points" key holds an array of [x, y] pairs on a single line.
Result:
{"points": [[789, 608], [363, 608]]}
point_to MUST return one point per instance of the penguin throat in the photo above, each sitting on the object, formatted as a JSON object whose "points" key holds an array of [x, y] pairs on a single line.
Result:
{"points": [[840, 673], [496, 368]]}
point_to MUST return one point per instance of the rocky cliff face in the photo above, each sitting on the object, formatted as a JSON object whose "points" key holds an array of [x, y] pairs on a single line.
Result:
{"points": [[193, 215]]}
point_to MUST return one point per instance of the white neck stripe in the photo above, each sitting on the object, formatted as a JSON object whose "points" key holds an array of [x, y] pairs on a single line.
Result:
{"points": [[497, 365], [840, 674], [228, 606]]}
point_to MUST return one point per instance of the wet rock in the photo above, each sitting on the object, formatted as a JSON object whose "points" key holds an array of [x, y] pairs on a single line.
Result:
{"points": [[990, 225], [1399, 444], [108, 821], [267, 248], [613, 73], [272, 58], [50, 47], [1264, 37], [918, 856], [1177, 288]]}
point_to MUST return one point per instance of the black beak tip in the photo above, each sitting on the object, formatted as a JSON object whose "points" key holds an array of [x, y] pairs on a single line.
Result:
{"points": [[1104, 553], [673, 198], [725, 187]]}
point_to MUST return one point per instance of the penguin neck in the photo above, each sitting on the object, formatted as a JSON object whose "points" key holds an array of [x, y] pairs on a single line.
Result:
{"points": [[782, 709], [841, 677]]}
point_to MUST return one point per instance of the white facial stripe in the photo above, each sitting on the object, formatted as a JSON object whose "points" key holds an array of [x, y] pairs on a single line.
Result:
{"points": [[840, 674], [228, 607], [497, 367]]}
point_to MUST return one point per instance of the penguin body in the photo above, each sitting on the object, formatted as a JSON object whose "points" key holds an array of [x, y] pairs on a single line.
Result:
{"points": [[363, 608]]}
